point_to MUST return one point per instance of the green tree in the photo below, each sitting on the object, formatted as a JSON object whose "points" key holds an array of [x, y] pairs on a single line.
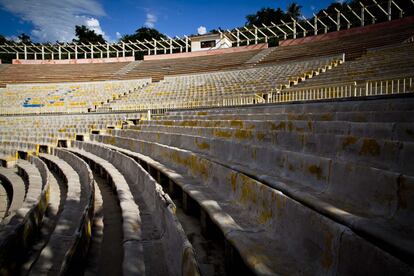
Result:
{"points": [[3, 40], [87, 36], [143, 33], [294, 10], [24, 38], [265, 16]]}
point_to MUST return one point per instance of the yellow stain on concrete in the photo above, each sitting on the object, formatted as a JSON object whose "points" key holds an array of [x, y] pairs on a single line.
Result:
{"points": [[199, 167], [236, 123], [254, 154], [222, 134], [280, 126], [189, 123], [280, 201], [350, 140], [370, 147], [317, 171], [168, 123], [260, 136], [110, 140], [233, 181], [327, 257], [327, 117], [310, 126], [248, 191], [203, 145], [243, 134]]}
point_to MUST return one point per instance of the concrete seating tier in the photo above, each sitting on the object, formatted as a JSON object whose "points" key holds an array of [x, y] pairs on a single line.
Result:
{"points": [[15, 188], [47, 73], [385, 63], [353, 45], [160, 245], [64, 97], [18, 232], [157, 69], [202, 88], [265, 225], [4, 199], [70, 238]]}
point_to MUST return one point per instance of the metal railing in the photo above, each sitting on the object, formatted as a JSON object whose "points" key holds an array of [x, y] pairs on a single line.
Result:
{"points": [[346, 90]]}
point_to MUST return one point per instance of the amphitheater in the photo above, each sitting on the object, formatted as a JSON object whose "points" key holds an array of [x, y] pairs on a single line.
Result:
{"points": [[255, 160]]}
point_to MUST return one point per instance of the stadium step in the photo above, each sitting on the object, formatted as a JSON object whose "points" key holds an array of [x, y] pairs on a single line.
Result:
{"points": [[260, 56], [3, 201], [70, 237], [19, 230], [161, 239], [15, 188], [105, 252], [189, 168], [131, 227], [126, 69], [57, 197]]}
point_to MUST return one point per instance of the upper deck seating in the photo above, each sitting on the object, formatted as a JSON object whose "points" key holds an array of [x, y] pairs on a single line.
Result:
{"points": [[63, 97]]}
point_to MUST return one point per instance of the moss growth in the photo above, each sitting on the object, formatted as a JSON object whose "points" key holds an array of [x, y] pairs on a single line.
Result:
{"points": [[370, 147]]}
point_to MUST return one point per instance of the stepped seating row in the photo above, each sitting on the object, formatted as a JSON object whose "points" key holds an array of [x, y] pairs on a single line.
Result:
{"points": [[157, 69], [19, 230], [350, 179], [395, 61], [15, 189], [57, 127], [353, 44], [64, 97], [47, 73], [215, 86], [160, 238], [152, 235]]}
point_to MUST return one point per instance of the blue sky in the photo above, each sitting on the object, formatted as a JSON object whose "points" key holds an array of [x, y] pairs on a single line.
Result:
{"points": [[51, 20]]}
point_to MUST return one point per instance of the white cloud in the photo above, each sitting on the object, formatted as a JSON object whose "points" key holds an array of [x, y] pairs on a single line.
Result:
{"points": [[118, 35], [56, 19], [312, 7], [151, 20], [201, 30]]}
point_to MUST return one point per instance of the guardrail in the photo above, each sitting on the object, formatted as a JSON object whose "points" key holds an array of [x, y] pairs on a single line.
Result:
{"points": [[347, 90]]}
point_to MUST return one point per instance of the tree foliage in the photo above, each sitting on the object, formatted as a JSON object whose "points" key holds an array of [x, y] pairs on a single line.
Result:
{"points": [[87, 36], [144, 33], [24, 38], [268, 15], [3, 40], [294, 11]]}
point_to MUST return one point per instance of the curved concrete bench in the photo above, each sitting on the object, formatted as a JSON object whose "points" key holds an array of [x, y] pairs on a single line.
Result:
{"points": [[378, 153], [19, 232], [133, 259], [15, 188], [266, 226], [4, 201], [387, 104], [70, 238], [315, 177], [156, 205], [355, 116], [264, 131]]}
